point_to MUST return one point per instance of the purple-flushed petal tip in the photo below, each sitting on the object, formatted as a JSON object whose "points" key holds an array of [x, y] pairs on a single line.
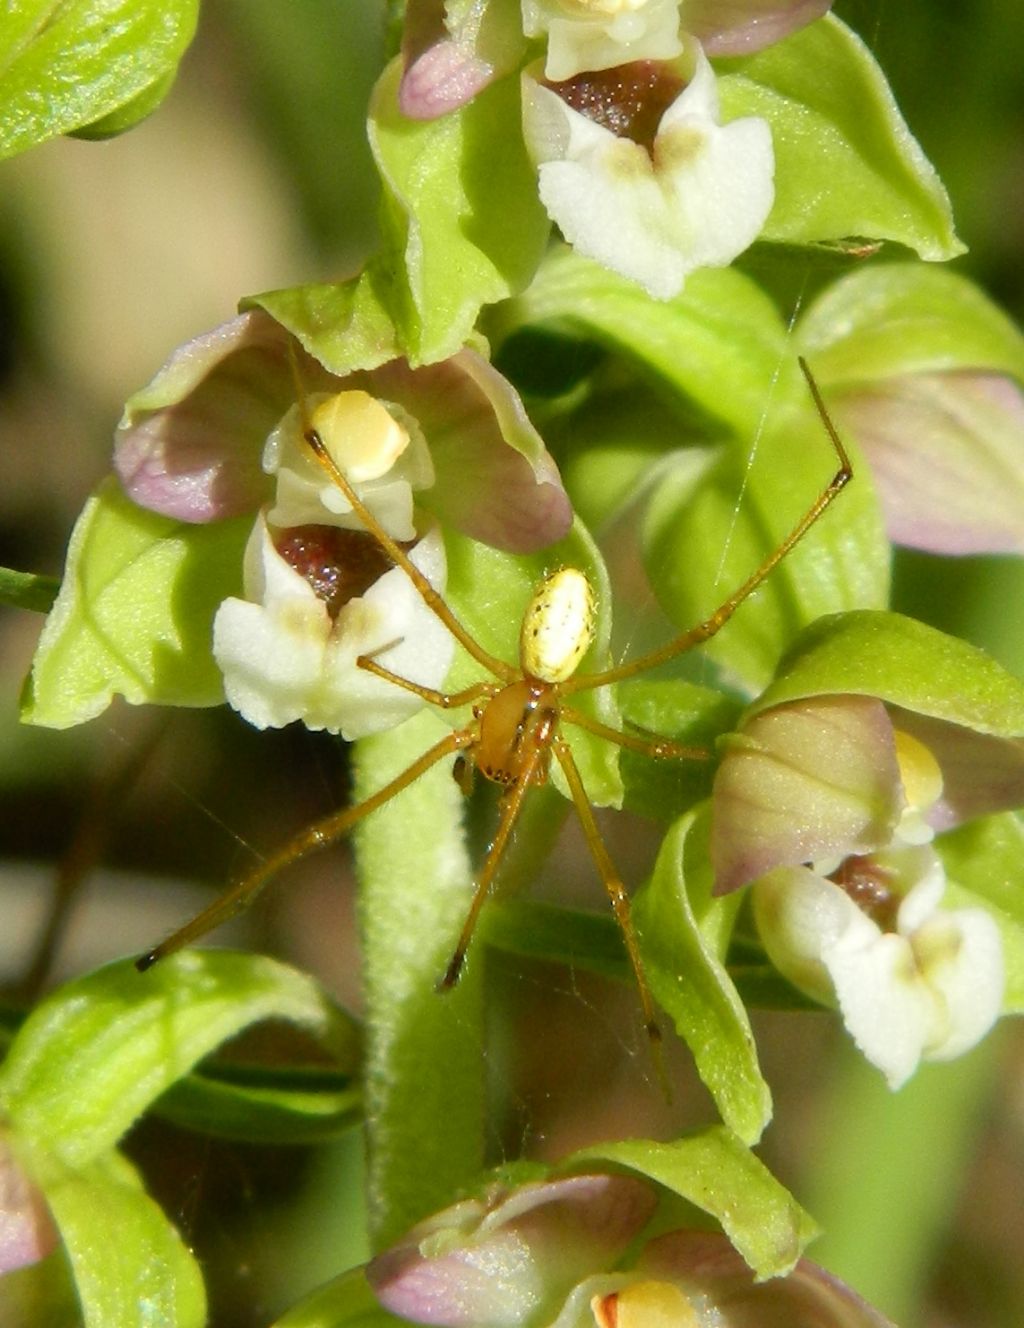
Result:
{"points": [[741, 27], [496, 1266], [190, 443], [27, 1231], [706, 1264], [947, 456], [442, 79]]}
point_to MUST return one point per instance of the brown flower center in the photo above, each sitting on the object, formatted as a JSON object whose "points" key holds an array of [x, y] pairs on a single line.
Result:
{"points": [[628, 100]]}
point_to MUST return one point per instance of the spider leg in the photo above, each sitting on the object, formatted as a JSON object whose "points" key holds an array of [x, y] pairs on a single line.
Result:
{"points": [[615, 888], [444, 700], [655, 746], [511, 805], [712, 625], [323, 832]]}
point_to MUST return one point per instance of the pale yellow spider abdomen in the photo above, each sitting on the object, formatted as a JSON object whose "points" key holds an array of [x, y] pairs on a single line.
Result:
{"points": [[558, 626]]}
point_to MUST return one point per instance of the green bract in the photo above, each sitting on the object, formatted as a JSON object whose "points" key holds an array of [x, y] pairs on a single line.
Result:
{"points": [[847, 166], [86, 65], [684, 932]]}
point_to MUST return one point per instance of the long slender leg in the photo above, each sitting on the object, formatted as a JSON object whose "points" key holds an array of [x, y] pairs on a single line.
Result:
{"points": [[511, 805], [655, 746], [612, 883], [319, 835], [444, 700], [710, 626]]}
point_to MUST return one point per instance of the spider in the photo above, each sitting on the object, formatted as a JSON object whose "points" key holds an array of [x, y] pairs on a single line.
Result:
{"points": [[518, 718]]}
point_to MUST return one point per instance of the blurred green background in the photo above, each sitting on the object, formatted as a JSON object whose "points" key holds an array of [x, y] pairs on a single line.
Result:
{"points": [[255, 174]]}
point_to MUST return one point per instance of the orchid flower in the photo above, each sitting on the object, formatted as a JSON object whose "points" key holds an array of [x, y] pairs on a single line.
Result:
{"points": [[219, 433], [554, 1255], [830, 806]]}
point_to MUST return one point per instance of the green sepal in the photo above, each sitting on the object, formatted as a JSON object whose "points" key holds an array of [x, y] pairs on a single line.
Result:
{"points": [[25, 590], [892, 319], [904, 663], [345, 1302], [717, 1173], [846, 165], [984, 861], [462, 220], [99, 1051], [346, 325], [68, 66], [134, 615], [707, 531], [684, 931], [129, 1264]]}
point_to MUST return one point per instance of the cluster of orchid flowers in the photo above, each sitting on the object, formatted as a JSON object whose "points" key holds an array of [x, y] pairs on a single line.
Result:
{"points": [[830, 801]]}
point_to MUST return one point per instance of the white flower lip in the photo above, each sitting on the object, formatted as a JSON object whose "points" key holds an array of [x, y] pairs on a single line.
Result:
{"points": [[284, 659], [700, 200], [929, 990], [600, 34]]}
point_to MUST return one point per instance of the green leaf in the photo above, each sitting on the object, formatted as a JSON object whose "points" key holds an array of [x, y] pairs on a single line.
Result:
{"points": [[985, 864], [347, 1302], [424, 1059], [719, 344], [717, 1173], [846, 165], [275, 1107], [704, 537], [135, 612], [64, 66], [130, 1266], [461, 211], [892, 319], [577, 938], [905, 663], [683, 932], [96, 1053], [24, 590]]}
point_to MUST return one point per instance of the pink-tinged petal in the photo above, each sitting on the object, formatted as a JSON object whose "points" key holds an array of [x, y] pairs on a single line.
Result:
{"points": [[27, 1232], [947, 454], [496, 481], [189, 444], [814, 779], [498, 1265], [706, 1265], [980, 773], [740, 27], [444, 78]]}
